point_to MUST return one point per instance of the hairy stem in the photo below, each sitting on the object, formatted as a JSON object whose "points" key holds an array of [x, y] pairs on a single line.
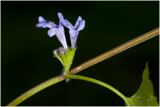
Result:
{"points": [[85, 65], [99, 83]]}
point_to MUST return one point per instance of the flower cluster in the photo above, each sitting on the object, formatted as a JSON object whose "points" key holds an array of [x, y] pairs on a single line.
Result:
{"points": [[65, 54]]}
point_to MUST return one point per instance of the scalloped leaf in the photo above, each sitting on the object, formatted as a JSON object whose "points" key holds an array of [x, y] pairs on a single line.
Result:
{"points": [[145, 94]]}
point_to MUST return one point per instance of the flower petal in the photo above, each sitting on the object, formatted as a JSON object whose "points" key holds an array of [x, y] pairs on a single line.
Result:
{"points": [[60, 16], [64, 21], [61, 36], [45, 24], [73, 37], [52, 25], [60, 24], [52, 32], [41, 19], [67, 24], [41, 24], [79, 20], [72, 33], [81, 26]]}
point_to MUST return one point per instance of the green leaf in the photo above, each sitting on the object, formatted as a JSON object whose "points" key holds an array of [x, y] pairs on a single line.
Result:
{"points": [[145, 94]]}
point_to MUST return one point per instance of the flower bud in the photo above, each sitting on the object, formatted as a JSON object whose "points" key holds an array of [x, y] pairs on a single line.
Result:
{"points": [[62, 51], [55, 52]]}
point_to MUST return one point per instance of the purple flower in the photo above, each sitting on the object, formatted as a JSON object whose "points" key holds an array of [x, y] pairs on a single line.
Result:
{"points": [[73, 30], [54, 30]]}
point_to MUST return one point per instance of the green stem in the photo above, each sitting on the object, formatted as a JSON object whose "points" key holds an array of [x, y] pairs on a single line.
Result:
{"points": [[36, 89], [85, 65], [99, 83]]}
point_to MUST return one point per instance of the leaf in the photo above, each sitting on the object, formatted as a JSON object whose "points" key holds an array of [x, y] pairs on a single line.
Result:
{"points": [[145, 94]]}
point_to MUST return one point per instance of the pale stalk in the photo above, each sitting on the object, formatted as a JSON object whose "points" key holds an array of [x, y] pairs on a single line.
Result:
{"points": [[116, 50]]}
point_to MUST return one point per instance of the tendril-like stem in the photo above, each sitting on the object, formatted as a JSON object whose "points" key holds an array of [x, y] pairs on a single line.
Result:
{"points": [[99, 83], [85, 65], [36, 89]]}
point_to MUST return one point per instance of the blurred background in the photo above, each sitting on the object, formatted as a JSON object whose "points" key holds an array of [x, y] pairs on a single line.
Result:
{"points": [[27, 58]]}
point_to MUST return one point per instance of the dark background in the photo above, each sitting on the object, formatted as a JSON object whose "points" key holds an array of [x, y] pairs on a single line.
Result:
{"points": [[27, 51]]}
